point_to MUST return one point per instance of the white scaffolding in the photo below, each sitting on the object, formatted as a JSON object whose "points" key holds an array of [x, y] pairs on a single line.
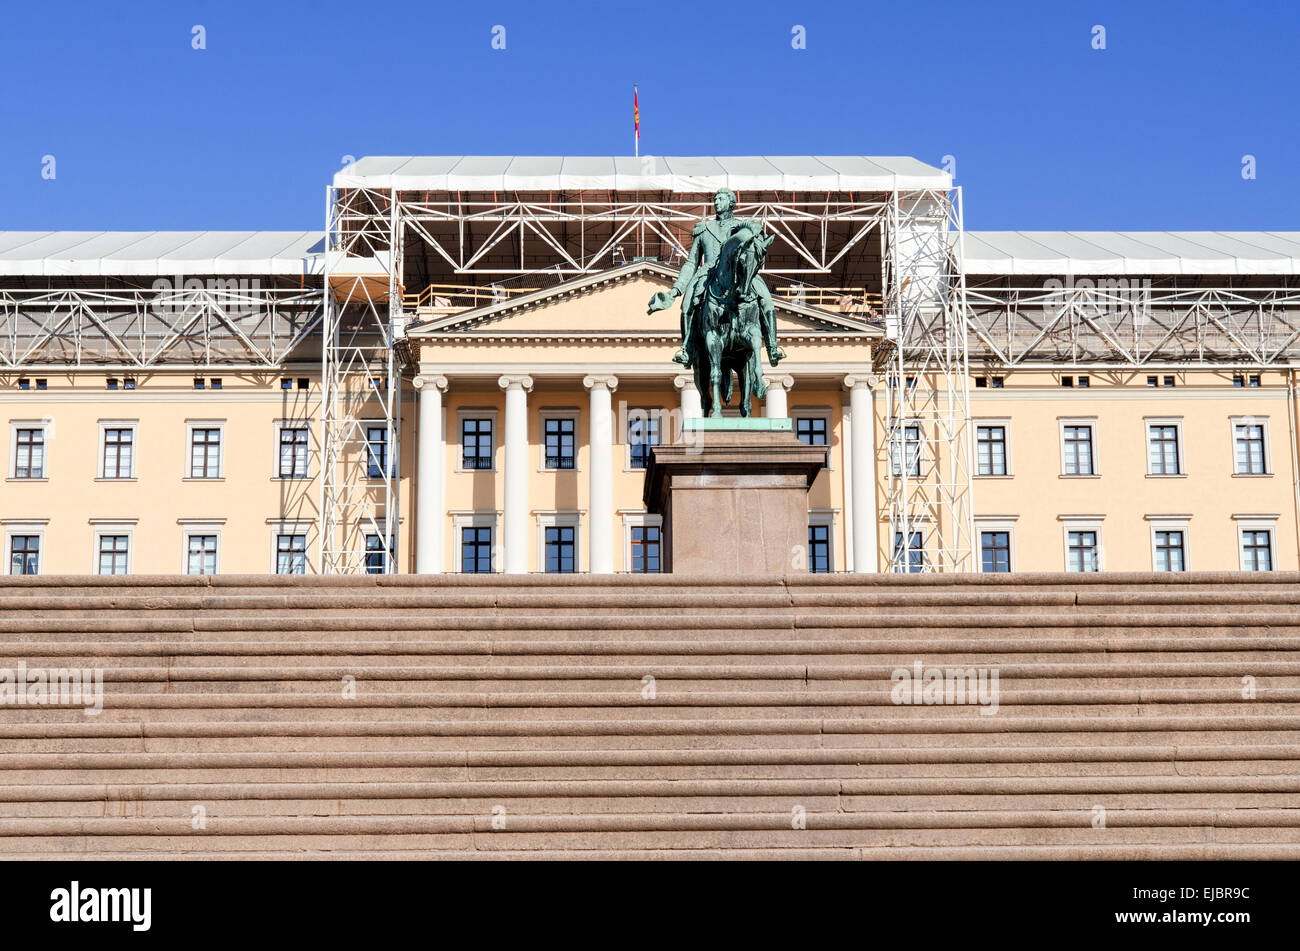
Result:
{"points": [[924, 361], [361, 383], [230, 323]]}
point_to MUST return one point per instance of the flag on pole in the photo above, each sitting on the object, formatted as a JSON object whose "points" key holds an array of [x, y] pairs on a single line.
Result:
{"points": [[636, 118]]}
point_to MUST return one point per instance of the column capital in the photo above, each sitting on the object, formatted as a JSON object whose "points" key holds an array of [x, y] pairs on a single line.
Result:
{"points": [[436, 380], [782, 381], [684, 380], [608, 381], [512, 381], [857, 380]]}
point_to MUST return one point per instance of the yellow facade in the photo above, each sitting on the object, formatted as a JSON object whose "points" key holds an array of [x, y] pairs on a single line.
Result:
{"points": [[561, 340]]}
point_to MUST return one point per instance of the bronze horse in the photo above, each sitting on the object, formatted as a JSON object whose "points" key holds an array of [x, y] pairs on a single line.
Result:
{"points": [[729, 324]]}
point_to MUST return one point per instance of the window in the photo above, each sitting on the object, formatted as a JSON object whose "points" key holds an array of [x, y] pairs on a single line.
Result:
{"points": [[24, 383], [560, 549], [991, 450], [912, 438], [293, 452], [24, 554], [995, 552], [198, 383], [558, 432], [304, 383], [114, 552], [376, 559], [40, 384], [1169, 381], [814, 431], [1250, 455], [110, 383], [1153, 381], [290, 554], [1081, 551], [476, 443], [1162, 449], [996, 382], [1076, 449], [128, 383], [915, 561], [643, 432], [476, 549], [1254, 379], [29, 454], [376, 452], [117, 461], [286, 383], [215, 383], [1067, 381], [1084, 381], [201, 555], [1256, 549], [645, 549], [205, 454], [819, 549], [1170, 553]]}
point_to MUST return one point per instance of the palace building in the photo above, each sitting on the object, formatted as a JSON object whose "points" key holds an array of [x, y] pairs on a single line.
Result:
{"points": [[460, 375]]}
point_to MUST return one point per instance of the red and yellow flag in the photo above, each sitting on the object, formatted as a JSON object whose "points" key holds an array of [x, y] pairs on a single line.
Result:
{"points": [[636, 112]]}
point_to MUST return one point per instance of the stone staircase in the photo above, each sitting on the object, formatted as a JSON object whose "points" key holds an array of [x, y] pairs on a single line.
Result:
{"points": [[1138, 716]]}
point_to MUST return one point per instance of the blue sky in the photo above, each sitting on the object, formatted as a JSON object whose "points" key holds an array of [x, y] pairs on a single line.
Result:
{"points": [[1046, 132]]}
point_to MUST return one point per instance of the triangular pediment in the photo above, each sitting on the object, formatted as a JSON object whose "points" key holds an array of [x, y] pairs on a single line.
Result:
{"points": [[611, 302]]}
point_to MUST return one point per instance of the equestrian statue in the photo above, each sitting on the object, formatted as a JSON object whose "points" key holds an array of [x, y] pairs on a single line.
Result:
{"points": [[727, 316]]}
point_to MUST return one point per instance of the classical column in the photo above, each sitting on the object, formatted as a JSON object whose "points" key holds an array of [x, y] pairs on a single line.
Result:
{"points": [[863, 489], [515, 528], [778, 385], [430, 514], [601, 507], [690, 395]]}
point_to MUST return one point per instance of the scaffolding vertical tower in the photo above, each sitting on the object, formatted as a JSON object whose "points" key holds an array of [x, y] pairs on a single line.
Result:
{"points": [[925, 363], [361, 384]]}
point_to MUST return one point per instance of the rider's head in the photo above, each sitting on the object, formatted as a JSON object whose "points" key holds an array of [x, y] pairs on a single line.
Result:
{"points": [[724, 200]]}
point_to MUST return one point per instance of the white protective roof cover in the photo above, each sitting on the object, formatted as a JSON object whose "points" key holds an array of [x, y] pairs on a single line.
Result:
{"points": [[166, 253], [1132, 252], [683, 174]]}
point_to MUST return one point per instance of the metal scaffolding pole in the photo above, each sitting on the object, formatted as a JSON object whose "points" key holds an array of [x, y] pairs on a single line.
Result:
{"points": [[925, 363]]}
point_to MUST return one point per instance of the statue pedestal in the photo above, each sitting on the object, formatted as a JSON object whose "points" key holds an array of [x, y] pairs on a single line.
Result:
{"points": [[734, 497]]}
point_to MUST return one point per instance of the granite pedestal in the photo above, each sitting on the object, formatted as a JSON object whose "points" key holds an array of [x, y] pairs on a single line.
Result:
{"points": [[733, 494]]}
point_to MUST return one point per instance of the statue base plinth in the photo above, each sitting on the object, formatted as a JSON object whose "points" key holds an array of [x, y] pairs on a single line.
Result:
{"points": [[734, 497]]}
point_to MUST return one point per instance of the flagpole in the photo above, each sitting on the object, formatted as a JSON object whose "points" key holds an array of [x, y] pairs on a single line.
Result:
{"points": [[636, 125]]}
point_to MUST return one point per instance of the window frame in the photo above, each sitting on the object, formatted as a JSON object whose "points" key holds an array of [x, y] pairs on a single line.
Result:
{"points": [[25, 527], [1150, 422], [654, 414], [1066, 422], [1083, 523], [1170, 523], [17, 425], [1004, 423], [640, 519], [194, 424], [823, 414], [112, 527], [1250, 419], [105, 425], [1256, 523], [998, 523], [558, 519], [822, 518], [545, 416], [200, 530], [915, 471], [296, 424], [479, 413], [461, 520], [386, 469]]}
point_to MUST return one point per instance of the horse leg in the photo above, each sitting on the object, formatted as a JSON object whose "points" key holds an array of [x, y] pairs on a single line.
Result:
{"points": [[715, 372]]}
